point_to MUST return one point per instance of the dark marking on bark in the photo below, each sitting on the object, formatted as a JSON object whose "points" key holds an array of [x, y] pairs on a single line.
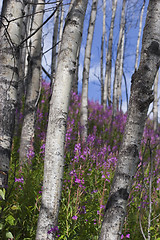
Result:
{"points": [[143, 103], [123, 175], [113, 199], [133, 150], [14, 69], [134, 77], [30, 107], [154, 48], [4, 179], [146, 67], [4, 153]]}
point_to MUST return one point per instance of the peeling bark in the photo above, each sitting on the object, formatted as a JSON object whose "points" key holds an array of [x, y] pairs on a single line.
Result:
{"points": [[141, 97]]}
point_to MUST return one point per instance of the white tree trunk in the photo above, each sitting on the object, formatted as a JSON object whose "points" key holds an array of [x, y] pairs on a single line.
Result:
{"points": [[107, 82], [9, 56], [54, 153], [141, 97], [61, 25], [155, 104], [102, 49], [119, 62], [87, 59], [22, 63], [54, 47], [139, 36], [119, 83], [33, 84], [75, 79]]}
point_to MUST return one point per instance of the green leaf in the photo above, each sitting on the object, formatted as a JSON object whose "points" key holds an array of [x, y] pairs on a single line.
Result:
{"points": [[1, 226], [10, 219], [9, 235], [14, 207], [151, 228], [2, 193]]}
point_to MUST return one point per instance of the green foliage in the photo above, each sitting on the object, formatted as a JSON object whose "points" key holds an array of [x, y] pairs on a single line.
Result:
{"points": [[88, 174]]}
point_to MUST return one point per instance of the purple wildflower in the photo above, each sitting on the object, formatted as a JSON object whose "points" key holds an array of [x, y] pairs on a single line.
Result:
{"points": [[19, 180], [74, 217]]}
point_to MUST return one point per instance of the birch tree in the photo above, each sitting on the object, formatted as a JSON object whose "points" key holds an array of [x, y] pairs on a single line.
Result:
{"points": [[119, 83], [139, 36], [10, 32], [141, 97], [75, 79], [54, 47], [61, 25], [33, 83], [54, 151], [23, 62], [107, 82], [119, 62], [155, 104], [87, 59], [102, 49]]}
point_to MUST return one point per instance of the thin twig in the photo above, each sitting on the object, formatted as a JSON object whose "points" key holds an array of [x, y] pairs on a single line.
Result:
{"points": [[41, 24]]}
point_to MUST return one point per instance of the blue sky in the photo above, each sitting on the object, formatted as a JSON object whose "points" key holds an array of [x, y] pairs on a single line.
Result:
{"points": [[131, 38]]}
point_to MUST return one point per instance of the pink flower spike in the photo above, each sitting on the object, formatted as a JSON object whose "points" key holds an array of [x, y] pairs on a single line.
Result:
{"points": [[122, 236], [128, 235], [74, 217]]}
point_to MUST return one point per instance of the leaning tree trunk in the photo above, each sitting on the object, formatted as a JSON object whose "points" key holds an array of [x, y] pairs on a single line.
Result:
{"points": [[87, 59], [54, 153], [9, 55], [107, 82], [141, 97], [33, 84]]}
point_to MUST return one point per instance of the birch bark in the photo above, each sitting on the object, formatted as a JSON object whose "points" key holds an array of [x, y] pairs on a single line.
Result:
{"points": [[119, 82], [139, 36], [141, 97], [107, 82], [102, 50], [33, 84], [61, 25], [10, 32], [54, 153], [54, 47], [75, 79], [23, 63], [87, 59], [155, 104], [119, 62]]}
